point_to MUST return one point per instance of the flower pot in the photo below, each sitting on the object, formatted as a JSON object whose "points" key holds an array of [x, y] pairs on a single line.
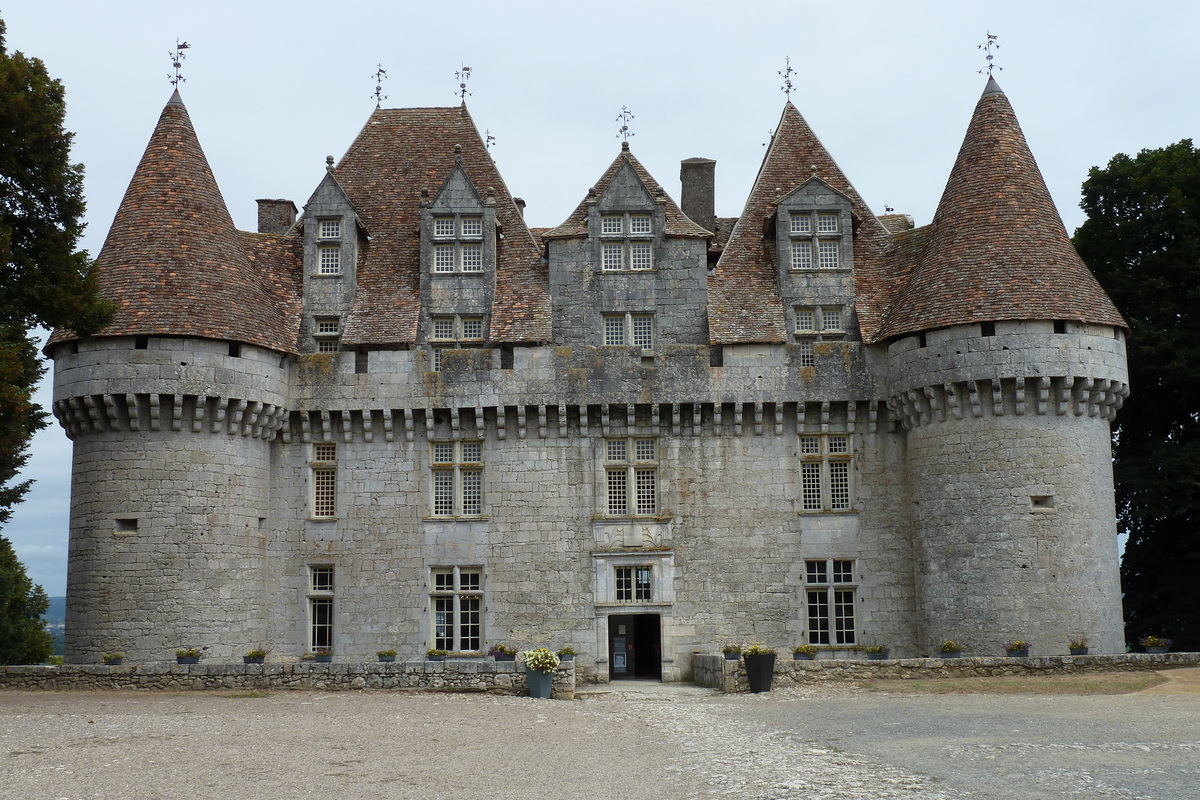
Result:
{"points": [[1157, 649], [387, 659], [1078, 651], [1017, 653], [540, 683], [503, 657], [876, 656], [732, 656], [115, 662], [566, 656], [187, 659], [436, 658], [323, 659], [760, 671], [950, 654], [803, 656], [253, 659]]}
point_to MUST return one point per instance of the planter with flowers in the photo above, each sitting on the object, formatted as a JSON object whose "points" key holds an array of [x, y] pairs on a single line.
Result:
{"points": [[804, 652], [435, 654], [255, 656], [322, 655], [760, 667], [113, 659], [566, 654], [189, 655], [540, 664], [386, 656], [878, 652], [732, 652], [1018, 648], [502, 652], [1078, 646], [1155, 644], [950, 649]]}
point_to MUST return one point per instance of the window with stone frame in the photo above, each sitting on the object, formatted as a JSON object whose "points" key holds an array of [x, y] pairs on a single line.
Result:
{"points": [[626, 242], [456, 602], [456, 479], [329, 259], [814, 239], [831, 592], [327, 333], [458, 244], [631, 476], [633, 583], [453, 331], [629, 329], [320, 606], [826, 472], [813, 324], [323, 468], [328, 229]]}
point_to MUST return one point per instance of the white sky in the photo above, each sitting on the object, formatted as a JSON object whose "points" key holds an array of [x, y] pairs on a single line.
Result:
{"points": [[273, 87]]}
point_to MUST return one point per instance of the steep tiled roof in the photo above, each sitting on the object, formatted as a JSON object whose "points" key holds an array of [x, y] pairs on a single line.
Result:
{"points": [[677, 223], [398, 153], [175, 264], [744, 300], [997, 248]]}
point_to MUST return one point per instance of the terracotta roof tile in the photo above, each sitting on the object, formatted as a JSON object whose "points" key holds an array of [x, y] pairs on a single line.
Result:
{"points": [[996, 248]]}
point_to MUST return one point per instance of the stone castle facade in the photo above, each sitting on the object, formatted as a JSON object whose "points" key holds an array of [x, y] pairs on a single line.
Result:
{"points": [[401, 418]]}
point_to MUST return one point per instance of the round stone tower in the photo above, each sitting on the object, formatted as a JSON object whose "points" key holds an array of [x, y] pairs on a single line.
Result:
{"points": [[172, 410], [1006, 364]]}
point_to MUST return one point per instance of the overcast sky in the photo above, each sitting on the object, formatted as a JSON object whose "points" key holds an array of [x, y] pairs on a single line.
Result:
{"points": [[272, 88]]}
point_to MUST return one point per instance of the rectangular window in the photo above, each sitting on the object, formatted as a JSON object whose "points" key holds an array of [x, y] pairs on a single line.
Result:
{"points": [[443, 328], [633, 584], [626, 329], [472, 258], [327, 332], [329, 229], [639, 225], [827, 223], [443, 227], [806, 353], [642, 331], [457, 605], [825, 474], [472, 227], [324, 480], [443, 258], [831, 320], [639, 473], [614, 330], [805, 320], [320, 607], [640, 256], [612, 225], [457, 479], [831, 604], [801, 224], [329, 260], [801, 255], [612, 256], [828, 255], [472, 327]]}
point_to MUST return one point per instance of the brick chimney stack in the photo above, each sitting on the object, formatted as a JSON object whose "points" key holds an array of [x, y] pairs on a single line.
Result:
{"points": [[276, 216]]}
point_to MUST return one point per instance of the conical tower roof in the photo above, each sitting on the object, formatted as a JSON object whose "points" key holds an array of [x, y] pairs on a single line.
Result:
{"points": [[173, 261], [997, 248], [744, 300]]}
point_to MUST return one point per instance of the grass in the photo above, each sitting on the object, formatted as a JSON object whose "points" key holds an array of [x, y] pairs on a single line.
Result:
{"points": [[1080, 683], [249, 695]]}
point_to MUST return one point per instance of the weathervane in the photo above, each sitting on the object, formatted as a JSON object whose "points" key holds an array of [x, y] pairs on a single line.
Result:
{"points": [[177, 62], [462, 76], [786, 73], [489, 139], [379, 76], [623, 118], [987, 48]]}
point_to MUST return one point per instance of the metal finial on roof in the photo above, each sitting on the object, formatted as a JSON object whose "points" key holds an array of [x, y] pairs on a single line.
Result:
{"points": [[987, 48], [462, 76], [770, 138], [177, 62], [488, 139], [786, 73], [623, 118], [379, 76]]}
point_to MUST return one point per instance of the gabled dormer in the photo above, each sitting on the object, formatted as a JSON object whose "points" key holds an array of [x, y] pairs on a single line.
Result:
{"points": [[625, 224], [333, 235], [459, 233]]}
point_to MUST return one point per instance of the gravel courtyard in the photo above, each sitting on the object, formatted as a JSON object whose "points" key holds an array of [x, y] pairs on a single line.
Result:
{"points": [[639, 740]]}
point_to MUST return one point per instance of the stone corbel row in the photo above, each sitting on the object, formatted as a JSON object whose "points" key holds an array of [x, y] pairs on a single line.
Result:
{"points": [[159, 412], [1040, 395], [652, 419]]}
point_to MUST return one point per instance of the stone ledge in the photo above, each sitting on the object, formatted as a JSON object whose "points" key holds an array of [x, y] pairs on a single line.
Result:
{"points": [[439, 676]]}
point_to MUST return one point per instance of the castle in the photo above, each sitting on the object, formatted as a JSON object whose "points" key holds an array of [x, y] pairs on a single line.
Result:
{"points": [[401, 418]]}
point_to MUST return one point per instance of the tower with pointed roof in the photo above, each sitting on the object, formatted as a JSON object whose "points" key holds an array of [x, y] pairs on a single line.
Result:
{"points": [[402, 418]]}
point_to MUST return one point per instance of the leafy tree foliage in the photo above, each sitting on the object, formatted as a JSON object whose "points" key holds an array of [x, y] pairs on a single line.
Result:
{"points": [[44, 281], [23, 637], [1142, 239]]}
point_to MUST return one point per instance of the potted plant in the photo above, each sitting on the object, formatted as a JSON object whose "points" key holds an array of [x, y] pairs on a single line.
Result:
{"points": [[540, 664], [878, 652], [255, 656], [732, 652], [1017, 648], [322, 655], [113, 659], [1155, 644], [435, 654], [804, 652], [760, 667], [1078, 646], [950, 649], [189, 655], [502, 652], [386, 656], [566, 654]]}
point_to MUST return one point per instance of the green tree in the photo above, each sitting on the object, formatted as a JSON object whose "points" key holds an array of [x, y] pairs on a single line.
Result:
{"points": [[23, 637], [45, 281], [1142, 239]]}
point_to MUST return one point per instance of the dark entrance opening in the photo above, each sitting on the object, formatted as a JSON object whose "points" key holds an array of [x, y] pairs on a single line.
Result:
{"points": [[634, 646]]}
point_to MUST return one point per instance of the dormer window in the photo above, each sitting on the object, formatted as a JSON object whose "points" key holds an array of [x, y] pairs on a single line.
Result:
{"points": [[329, 229], [815, 240], [329, 260], [458, 244], [327, 332], [626, 242]]}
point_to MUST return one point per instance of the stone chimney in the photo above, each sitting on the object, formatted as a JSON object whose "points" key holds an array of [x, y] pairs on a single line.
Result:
{"points": [[276, 216], [520, 203], [698, 196]]}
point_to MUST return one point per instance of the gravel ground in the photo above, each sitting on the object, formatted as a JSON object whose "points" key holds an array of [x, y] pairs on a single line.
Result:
{"points": [[638, 741]]}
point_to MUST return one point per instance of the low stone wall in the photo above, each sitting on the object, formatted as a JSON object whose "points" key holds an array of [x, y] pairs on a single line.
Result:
{"points": [[493, 677], [715, 672]]}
